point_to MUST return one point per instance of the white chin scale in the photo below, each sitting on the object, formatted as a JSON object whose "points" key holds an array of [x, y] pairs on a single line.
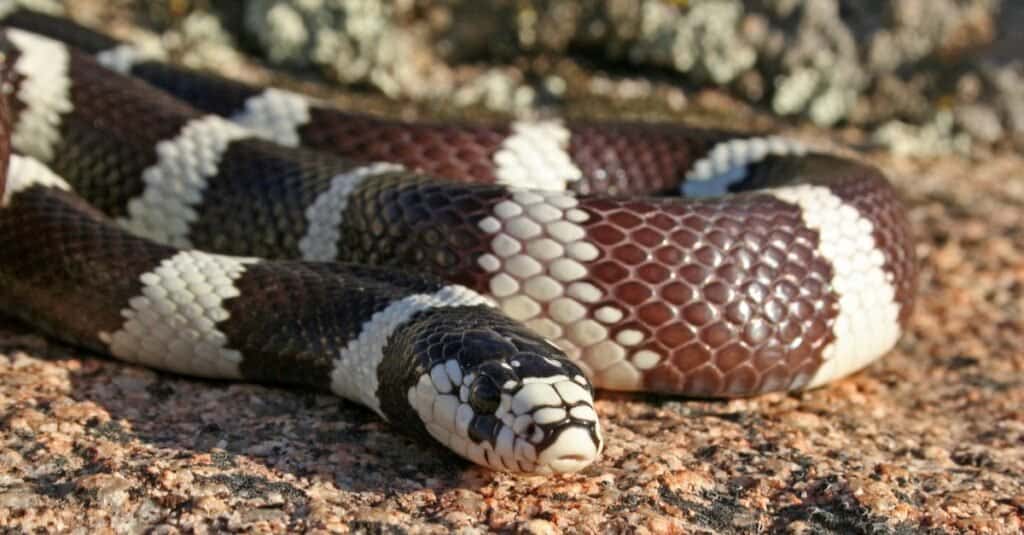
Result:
{"points": [[441, 398]]}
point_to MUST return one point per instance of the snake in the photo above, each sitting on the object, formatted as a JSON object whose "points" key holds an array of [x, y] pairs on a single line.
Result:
{"points": [[471, 283]]}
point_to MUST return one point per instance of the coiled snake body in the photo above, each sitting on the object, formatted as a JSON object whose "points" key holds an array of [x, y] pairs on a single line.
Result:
{"points": [[802, 274]]}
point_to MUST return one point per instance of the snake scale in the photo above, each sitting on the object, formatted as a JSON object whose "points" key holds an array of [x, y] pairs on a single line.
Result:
{"points": [[470, 283]]}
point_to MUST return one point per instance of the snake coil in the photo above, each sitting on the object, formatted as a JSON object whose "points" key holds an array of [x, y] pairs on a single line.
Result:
{"points": [[297, 243]]}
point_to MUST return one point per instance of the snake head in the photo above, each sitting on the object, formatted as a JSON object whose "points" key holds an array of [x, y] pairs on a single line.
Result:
{"points": [[503, 397]]}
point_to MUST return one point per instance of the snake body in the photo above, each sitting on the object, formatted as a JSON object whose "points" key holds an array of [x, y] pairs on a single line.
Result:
{"points": [[801, 274]]}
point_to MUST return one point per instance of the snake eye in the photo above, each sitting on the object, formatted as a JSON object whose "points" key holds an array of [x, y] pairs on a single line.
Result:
{"points": [[484, 396]]}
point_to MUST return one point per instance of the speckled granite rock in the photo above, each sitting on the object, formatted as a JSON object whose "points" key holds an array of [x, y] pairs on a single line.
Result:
{"points": [[891, 66], [868, 63]]}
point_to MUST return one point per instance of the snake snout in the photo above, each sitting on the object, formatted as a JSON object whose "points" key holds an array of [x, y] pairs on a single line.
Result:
{"points": [[553, 416], [566, 439], [573, 449]]}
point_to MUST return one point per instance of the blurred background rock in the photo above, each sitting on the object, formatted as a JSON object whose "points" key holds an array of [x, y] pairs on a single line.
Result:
{"points": [[919, 77]]}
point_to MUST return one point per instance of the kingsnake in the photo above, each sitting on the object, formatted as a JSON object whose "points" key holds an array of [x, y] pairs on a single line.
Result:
{"points": [[801, 274]]}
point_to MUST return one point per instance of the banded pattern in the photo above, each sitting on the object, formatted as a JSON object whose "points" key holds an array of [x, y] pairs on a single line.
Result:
{"points": [[185, 293], [867, 298], [534, 155], [275, 114], [584, 157], [367, 335], [714, 297], [801, 274], [355, 368], [324, 215], [42, 93], [174, 184], [728, 163]]}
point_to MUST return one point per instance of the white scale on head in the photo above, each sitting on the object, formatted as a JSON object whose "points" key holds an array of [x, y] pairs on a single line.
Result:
{"points": [[45, 91], [173, 324], [868, 322], [441, 398], [727, 163], [539, 253]]}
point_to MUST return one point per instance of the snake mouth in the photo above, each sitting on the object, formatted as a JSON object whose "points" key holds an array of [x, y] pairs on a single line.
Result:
{"points": [[573, 449], [571, 463]]}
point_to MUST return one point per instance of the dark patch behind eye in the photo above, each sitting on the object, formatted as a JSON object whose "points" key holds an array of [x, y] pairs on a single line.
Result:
{"points": [[484, 345], [529, 342], [533, 365]]}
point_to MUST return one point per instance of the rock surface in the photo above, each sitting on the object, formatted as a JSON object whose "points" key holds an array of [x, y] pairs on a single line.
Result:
{"points": [[869, 63], [930, 439]]}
